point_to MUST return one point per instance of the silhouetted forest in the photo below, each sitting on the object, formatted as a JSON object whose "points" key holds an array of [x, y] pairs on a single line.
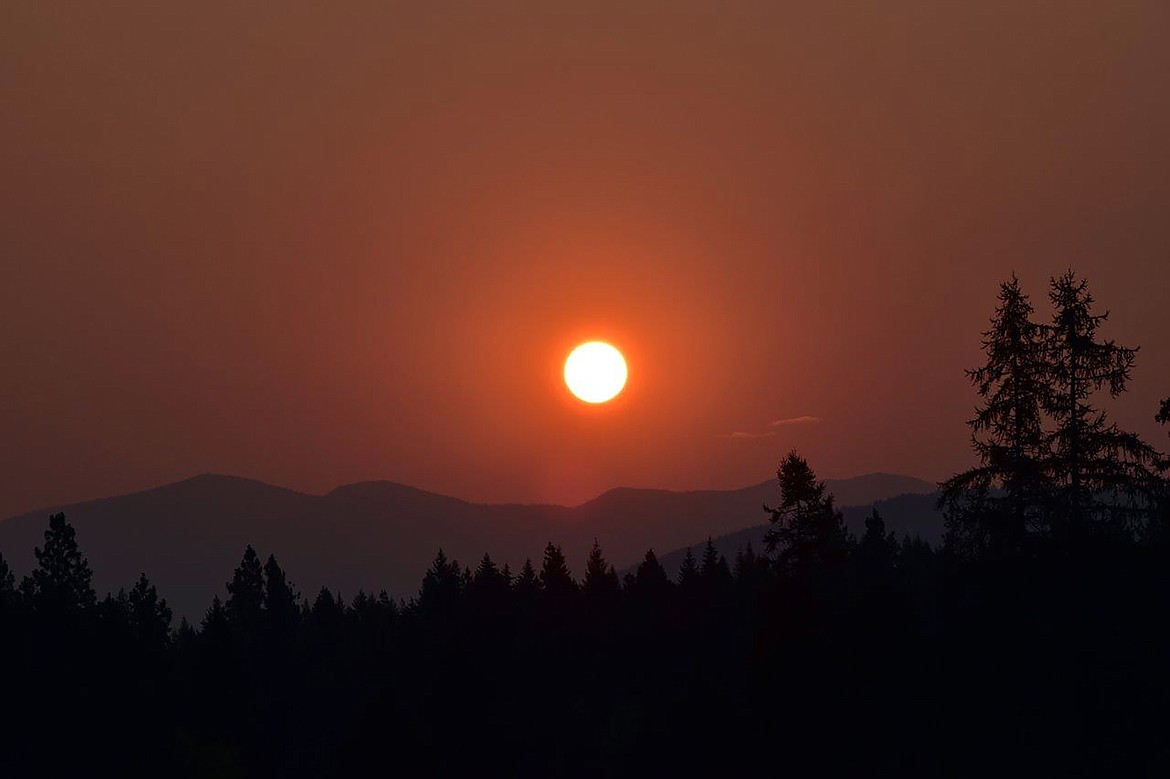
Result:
{"points": [[1031, 642]]}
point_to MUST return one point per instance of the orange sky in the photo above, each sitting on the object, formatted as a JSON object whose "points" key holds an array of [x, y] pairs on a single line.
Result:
{"points": [[320, 246]]}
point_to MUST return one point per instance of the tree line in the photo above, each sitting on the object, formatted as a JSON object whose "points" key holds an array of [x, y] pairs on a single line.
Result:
{"points": [[1031, 638]]}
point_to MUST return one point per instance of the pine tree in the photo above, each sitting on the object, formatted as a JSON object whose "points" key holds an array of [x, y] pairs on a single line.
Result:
{"points": [[489, 587], [150, 616], [714, 572], [215, 614], [688, 573], [442, 585], [8, 591], [246, 595], [1006, 433], [386, 604], [325, 626], [650, 580], [527, 586], [487, 573], [62, 581], [215, 630], [601, 581], [877, 551], [744, 568], [113, 619], [807, 532], [184, 634], [1163, 418], [750, 569], [1103, 475], [281, 603], [1160, 527], [373, 619], [555, 579]]}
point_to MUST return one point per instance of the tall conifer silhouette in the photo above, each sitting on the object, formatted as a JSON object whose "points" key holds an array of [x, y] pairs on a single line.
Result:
{"points": [[281, 603], [1006, 433], [246, 594], [688, 572], [150, 616], [650, 579], [750, 570], [490, 589], [714, 572], [526, 586], [62, 579], [488, 576], [1100, 471], [555, 579], [877, 550], [442, 585], [807, 531], [8, 591], [601, 581]]}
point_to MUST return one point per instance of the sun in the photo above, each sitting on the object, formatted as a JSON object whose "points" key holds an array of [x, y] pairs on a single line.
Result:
{"points": [[595, 372]]}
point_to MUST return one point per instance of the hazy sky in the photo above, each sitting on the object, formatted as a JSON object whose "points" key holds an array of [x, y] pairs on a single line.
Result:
{"points": [[315, 243]]}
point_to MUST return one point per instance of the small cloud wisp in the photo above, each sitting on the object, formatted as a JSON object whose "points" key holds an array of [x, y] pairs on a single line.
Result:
{"points": [[794, 421], [772, 428]]}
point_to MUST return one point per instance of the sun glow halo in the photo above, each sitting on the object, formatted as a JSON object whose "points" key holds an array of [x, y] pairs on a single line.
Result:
{"points": [[595, 372]]}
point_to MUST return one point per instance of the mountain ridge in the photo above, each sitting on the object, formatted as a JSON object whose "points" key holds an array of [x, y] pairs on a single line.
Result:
{"points": [[187, 536]]}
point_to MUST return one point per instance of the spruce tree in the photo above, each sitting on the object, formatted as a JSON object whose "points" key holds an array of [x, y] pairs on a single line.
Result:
{"points": [[62, 581], [807, 532], [1103, 476], [1006, 433]]}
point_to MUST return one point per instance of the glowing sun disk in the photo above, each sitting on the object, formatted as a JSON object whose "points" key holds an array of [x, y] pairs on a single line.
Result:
{"points": [[595, 372]]}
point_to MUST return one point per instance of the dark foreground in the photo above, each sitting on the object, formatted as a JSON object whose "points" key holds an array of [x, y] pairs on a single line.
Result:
{"points": [[890, 658]]}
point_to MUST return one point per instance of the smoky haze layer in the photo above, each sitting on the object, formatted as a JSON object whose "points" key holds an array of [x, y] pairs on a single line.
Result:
{"points": [[188, 536], [339, 244]]}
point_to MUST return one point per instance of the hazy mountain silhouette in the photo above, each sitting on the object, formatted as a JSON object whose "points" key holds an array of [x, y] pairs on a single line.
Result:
{"points": [[188, 536]]}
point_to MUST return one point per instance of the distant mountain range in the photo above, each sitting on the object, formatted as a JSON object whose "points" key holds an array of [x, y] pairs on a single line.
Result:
{"points": [[189, 536]]}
